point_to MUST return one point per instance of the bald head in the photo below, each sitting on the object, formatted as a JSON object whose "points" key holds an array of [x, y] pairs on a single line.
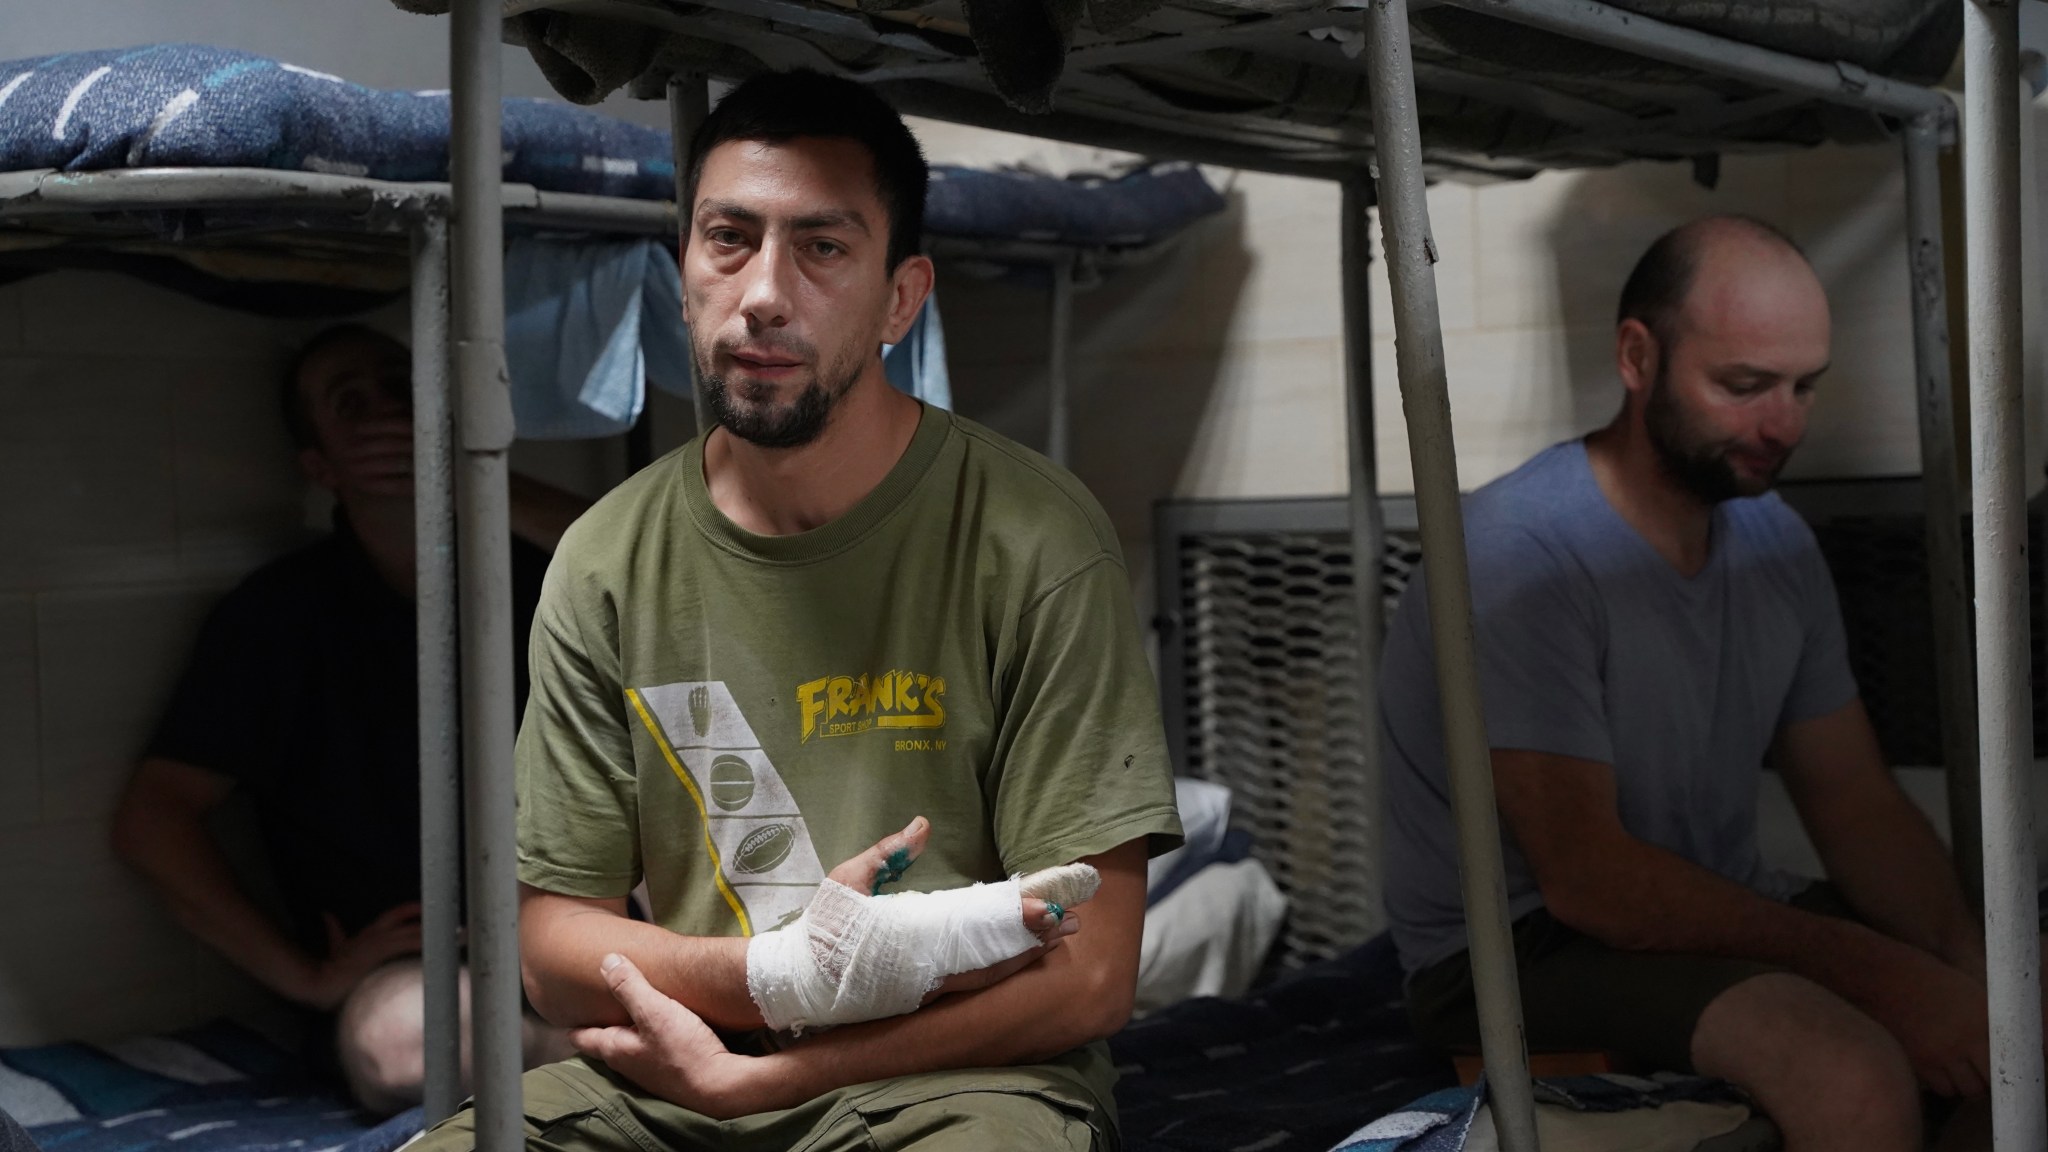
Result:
{"points": [[1712, 256], [1723, 333]]}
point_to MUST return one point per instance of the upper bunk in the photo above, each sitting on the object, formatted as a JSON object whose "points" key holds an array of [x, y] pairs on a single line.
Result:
{"points": [[1507, 88], [203, 167], [192, 160]]}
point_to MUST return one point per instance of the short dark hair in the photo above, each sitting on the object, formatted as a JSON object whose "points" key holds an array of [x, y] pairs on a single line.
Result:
{"points": [[298, 418], [779, 106], [1656, 290]]}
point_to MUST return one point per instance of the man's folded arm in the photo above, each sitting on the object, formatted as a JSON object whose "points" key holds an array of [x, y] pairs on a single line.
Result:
{"points": [[1079, 992], [562, 939]]}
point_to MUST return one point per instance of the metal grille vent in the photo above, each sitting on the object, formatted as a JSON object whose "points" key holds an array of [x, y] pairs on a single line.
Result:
{"points": [[1879, 564], [1263, 675]]}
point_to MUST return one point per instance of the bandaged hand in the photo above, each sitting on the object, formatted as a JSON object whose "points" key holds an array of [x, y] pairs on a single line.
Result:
{"points": [[855, 955]]}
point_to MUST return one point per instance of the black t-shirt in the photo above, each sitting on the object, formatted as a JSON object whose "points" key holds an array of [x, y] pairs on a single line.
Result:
{"points": [[303, 687]]}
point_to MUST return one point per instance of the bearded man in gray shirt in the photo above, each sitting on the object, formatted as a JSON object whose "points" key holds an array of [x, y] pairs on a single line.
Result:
{"points": [[1653, 626]]}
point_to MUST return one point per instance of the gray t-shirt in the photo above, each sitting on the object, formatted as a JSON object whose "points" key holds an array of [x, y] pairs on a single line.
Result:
{"points": [[1591, 645]]}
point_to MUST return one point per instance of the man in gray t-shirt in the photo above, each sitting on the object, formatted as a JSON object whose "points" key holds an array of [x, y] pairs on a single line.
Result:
{"points": [[1653, 627]]}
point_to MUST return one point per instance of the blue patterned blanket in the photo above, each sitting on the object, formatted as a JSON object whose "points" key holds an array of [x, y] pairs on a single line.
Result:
{"points": [[216, 1088], [191, 105]]}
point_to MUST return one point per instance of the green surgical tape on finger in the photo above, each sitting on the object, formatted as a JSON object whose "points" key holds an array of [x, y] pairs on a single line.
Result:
{"points": [[892, 870], [1058, 913]]}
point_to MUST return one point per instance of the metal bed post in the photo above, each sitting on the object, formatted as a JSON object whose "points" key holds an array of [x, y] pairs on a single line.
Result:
{"points": [[1946, 580], [1425, 398], [1999, 482], [1367, 542], [433, 431], [1059, 371], [484, 428], [689, 102]]}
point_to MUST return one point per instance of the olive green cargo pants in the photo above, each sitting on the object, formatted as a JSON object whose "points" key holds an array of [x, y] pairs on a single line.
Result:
{"points": [[580, 1106]]}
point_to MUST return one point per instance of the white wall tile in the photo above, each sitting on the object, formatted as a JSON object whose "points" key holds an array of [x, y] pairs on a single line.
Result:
{"points": [[1514, 392], [240, 494], [20, 788], [1847, 209], [86, 454], [10, 315], [1554, 250], [1287, 247], [945, 142], [89, 952], [71, 311], [1273, 425], [1864, 420], [107, 663]]}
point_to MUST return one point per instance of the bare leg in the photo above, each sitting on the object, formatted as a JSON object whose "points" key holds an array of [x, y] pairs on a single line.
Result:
{"points": [[382, 1037], [1829, 1076]]}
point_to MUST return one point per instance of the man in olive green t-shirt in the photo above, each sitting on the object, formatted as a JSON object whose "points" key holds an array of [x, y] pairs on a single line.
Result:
{"points": [[843, 626]]}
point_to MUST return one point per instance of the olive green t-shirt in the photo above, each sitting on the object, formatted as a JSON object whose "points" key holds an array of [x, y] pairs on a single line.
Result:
{"points": [[728, 715]]}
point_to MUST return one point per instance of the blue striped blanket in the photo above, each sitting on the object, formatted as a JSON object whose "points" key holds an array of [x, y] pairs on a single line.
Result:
{"points": [[216, 1088], [192, 105]]}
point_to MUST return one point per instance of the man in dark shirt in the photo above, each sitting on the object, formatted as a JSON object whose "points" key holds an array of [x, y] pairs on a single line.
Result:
{"points": [[302, 690]]}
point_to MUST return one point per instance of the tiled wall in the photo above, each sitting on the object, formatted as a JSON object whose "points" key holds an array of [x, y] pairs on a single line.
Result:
{"points": [[142, 471]]}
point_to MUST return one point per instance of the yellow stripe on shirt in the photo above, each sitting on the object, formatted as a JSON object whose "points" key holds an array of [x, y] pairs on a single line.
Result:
{"points": [[683, 774]]}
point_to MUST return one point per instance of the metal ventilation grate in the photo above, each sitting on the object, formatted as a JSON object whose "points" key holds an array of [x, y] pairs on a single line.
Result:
{"points": [[1874, 539], [1260, 663]]}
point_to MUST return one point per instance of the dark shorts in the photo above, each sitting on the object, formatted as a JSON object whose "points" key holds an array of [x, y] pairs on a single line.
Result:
{"points": [[1579, 995]]}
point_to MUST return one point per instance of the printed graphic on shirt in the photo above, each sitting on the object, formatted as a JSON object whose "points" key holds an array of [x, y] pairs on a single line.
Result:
{"points": [[849, 705], [761, 854]]}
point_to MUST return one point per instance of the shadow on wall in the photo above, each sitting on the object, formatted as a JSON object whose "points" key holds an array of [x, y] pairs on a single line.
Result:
{"points": [[1148, 347], [1845, 207]]}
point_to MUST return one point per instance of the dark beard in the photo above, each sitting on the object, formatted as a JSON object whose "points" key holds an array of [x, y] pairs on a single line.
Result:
{"points": [[1702, 469], [791, 425]]}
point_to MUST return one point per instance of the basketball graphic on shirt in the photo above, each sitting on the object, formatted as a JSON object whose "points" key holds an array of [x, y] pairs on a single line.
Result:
{"points": [[732, 783], [767, 867]]}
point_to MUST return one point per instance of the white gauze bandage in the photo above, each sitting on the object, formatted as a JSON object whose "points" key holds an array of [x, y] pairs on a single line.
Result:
{"points": [[851, 957]]}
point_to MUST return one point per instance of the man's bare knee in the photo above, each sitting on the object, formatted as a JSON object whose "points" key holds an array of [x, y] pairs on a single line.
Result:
{"points": [[381, 1036], [1828, 1075]]}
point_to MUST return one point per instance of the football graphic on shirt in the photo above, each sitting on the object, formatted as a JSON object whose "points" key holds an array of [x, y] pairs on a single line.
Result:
{"points": [[732, 783], [764, 848]]}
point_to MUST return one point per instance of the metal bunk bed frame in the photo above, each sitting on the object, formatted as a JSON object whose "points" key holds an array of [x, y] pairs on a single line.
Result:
{"points": [[1395, 160]]}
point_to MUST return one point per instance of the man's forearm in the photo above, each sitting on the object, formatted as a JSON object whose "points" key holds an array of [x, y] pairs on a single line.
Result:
{"points": [[1880, 850], [188, 870], [1049, 1008], [1643, 898], [1892, 868], [562, 942], [540, 512]]}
